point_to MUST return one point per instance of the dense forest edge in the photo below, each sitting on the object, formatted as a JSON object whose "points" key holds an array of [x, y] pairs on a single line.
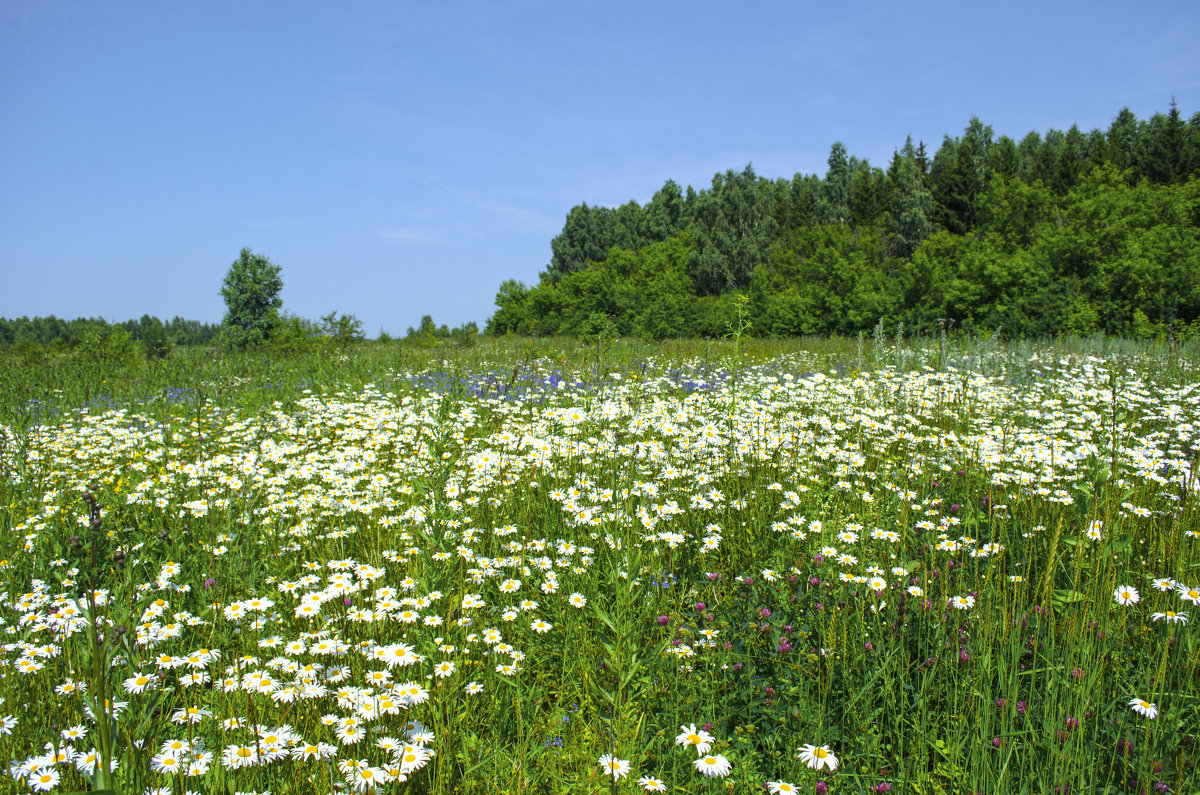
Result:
{"points": [[1064, 233], [1067, 233]]}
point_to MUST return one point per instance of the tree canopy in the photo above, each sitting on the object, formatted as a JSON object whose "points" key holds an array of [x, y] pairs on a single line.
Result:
{"points": [[251, 292], [1061, 232]]}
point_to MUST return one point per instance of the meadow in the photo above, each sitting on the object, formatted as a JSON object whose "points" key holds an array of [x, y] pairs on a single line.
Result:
{"points": [[823, 566]]}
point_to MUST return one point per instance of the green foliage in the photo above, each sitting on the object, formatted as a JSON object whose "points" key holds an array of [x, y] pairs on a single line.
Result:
{"points": [[343, 329], [60, 336], [291, 334], [909, 217], [251, 292], [428, 334], [830, 279], [644, 293], [105, 347], [28, 350], [1070, 232], [511, 313], [734, 226], [155, 342]]}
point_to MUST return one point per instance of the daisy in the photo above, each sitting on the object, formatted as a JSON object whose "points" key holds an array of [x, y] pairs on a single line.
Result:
{"points": [[348, 735], [191, 680], [818, 756], [1126, 595], [236, 756], [413, 758], [781, 786], [540, 626], [398, 654], [1163, 584], [305, 751], [716, 766], [474, 688], [62, 756], [74, 733], [44, 780], [199, 766], [139, 684], [167, 764], [389, 744], [443, 669], [962, 602], [1188, 594], [577, 600], [1171, 617], [690, 735], [367, 778], [175, 747], [618, 767], [652, 784], [413, 693], [1144, 708], [69, 688]]}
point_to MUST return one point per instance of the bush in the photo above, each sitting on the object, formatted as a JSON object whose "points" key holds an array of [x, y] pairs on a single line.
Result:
{"points": [[108, 347]]}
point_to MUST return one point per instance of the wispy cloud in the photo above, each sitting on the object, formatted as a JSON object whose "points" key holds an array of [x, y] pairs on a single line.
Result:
{"points": [[525, 218], [414, 235]]}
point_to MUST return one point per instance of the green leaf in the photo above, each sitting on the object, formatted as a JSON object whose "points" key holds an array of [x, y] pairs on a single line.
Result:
{"points": [[605, 617], [1065, 597]]}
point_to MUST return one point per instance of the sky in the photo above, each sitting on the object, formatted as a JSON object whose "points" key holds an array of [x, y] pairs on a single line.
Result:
{"points": [[403, 158]]}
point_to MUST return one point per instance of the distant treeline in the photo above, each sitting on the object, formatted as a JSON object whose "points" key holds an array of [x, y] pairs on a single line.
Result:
{"points": [[53, 333], [1070, 232]]}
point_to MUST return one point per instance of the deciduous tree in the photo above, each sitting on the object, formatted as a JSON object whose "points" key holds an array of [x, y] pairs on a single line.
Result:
{"points": [[251, 292]]}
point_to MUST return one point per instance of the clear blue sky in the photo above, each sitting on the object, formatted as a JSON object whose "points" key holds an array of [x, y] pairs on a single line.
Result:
{"points": [[401, 158]]}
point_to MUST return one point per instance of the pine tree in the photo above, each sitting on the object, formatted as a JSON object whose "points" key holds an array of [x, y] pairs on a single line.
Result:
{"points": [[908, 219], [833, 202]]}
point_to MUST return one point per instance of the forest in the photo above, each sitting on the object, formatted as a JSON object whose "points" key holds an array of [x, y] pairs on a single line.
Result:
{"points": [[38, 335], [1063, 233]]}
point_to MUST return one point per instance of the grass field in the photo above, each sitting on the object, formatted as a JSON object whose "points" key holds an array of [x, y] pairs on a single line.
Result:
{"points": [[845, 566]]}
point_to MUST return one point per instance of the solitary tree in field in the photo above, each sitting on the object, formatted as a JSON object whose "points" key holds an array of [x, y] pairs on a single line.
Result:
{"points": [[251, 293]]}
